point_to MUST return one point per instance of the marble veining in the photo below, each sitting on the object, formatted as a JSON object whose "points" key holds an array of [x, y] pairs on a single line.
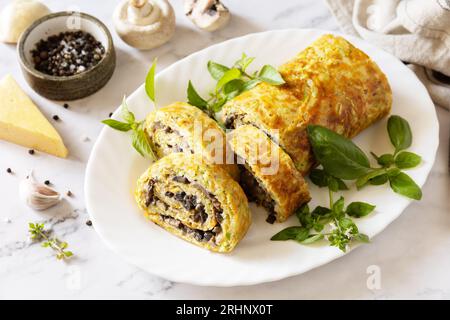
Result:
{"points": [[411, 254]]}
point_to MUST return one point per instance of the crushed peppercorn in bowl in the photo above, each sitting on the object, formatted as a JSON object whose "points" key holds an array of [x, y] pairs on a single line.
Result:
{"points": [[67, 55]]}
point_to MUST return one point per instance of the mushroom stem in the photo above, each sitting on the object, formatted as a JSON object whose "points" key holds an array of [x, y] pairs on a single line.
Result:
{"points": [[138, 3]]}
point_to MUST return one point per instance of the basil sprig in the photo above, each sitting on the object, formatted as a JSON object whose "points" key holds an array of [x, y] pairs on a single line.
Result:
{"points": [[333, 224], [139, 138], [342, 159], [230, 82]]}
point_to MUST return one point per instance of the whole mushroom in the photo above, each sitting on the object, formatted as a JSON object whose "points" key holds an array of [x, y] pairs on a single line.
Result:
{"points": [[209, 15], [17, 16], [144, 24]]}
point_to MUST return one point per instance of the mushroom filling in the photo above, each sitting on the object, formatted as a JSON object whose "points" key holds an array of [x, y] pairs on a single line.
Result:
{"points": [[256, 192], [168, 140], [182, 209]]}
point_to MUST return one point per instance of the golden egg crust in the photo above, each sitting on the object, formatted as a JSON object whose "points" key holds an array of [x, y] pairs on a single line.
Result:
{"points": [[272, 169], [330, 83], [179, 187], [180, 127]]}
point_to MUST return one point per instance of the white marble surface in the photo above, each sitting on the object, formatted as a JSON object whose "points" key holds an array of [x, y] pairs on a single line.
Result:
{"points": [[411, 254]]}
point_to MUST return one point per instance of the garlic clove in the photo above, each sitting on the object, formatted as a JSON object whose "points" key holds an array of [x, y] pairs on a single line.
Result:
{"points": [[19, 15], [209, 15], [36, 195]]}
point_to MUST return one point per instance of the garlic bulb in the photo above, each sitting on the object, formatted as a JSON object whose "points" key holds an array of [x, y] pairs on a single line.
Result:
{"points": [[209, 15], [144, 24], [19, 15], [36, 195]]}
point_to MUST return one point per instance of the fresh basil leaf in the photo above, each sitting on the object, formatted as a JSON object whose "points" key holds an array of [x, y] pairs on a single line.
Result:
{"points": [[407, 160], [291, 233], [118, 125], [399, 133], [379, 180], [312, 238], [233, 88], [392, 172], [141, 144], [194, 98], [303, 216], [363, 180], [385, 160], [250, 84], [127, 115], [217, 106], [339, 156], [404, 185], [361, 237], [244, 62], [150, 82], [359, 209], [338, 206], [216, 70], [318, 227], [347, 224], [227, 77], [319, 177], [341, 184], [320, 211], [270, 75]]}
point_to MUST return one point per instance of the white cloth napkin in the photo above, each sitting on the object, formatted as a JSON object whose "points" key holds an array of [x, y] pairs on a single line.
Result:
{"points": [[416, 31]]}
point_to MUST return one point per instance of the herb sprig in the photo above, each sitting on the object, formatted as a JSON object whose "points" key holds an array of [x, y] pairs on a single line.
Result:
{"points": [[139, 138], [231, 81], [38, 233], [341, 158], [333, 223]]}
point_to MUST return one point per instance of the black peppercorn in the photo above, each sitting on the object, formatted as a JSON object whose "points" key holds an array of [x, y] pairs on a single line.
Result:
{"points": [[67, 53], [47, 182], [69, 193], [66, 105], [9, 170], [89, 223], [110, 114], [31, 151], [55, 117]]}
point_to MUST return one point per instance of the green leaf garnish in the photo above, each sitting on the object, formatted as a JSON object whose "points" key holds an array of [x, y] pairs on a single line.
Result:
{"points": [[39, 234], [150, 82], [339, 156], [118, 125], [216, 70], [404, 185], [270, 75], [231, 82], [399, 133], [359, 209], [407, 160], [194, 98]]}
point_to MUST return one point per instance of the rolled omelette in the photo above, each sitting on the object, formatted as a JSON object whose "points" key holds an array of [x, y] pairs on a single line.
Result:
{"points": [[180, 127], [195, 201], [330, 83], [268, 174]]}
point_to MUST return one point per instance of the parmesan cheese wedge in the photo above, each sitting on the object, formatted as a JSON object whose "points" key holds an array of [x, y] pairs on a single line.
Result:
{"points": [[22, 122]]}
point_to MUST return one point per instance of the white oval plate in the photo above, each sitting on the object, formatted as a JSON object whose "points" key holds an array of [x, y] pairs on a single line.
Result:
{"points": [[114, 167]]}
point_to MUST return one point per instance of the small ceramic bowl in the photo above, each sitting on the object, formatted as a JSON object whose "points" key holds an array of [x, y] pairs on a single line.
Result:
{"points": [[66, 87]]}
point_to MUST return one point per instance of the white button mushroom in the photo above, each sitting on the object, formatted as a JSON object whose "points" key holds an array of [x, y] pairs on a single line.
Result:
{"points": [[17, 16], [209, 15], [144, 24]]}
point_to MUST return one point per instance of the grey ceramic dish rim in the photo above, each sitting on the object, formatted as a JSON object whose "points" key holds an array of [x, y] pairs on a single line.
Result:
{"points": [[31, 69]]}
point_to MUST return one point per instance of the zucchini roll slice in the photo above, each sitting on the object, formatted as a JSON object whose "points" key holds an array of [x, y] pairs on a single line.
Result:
{"points": [[268, 174], [331, 83], [180, 127], [195, 201]]}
